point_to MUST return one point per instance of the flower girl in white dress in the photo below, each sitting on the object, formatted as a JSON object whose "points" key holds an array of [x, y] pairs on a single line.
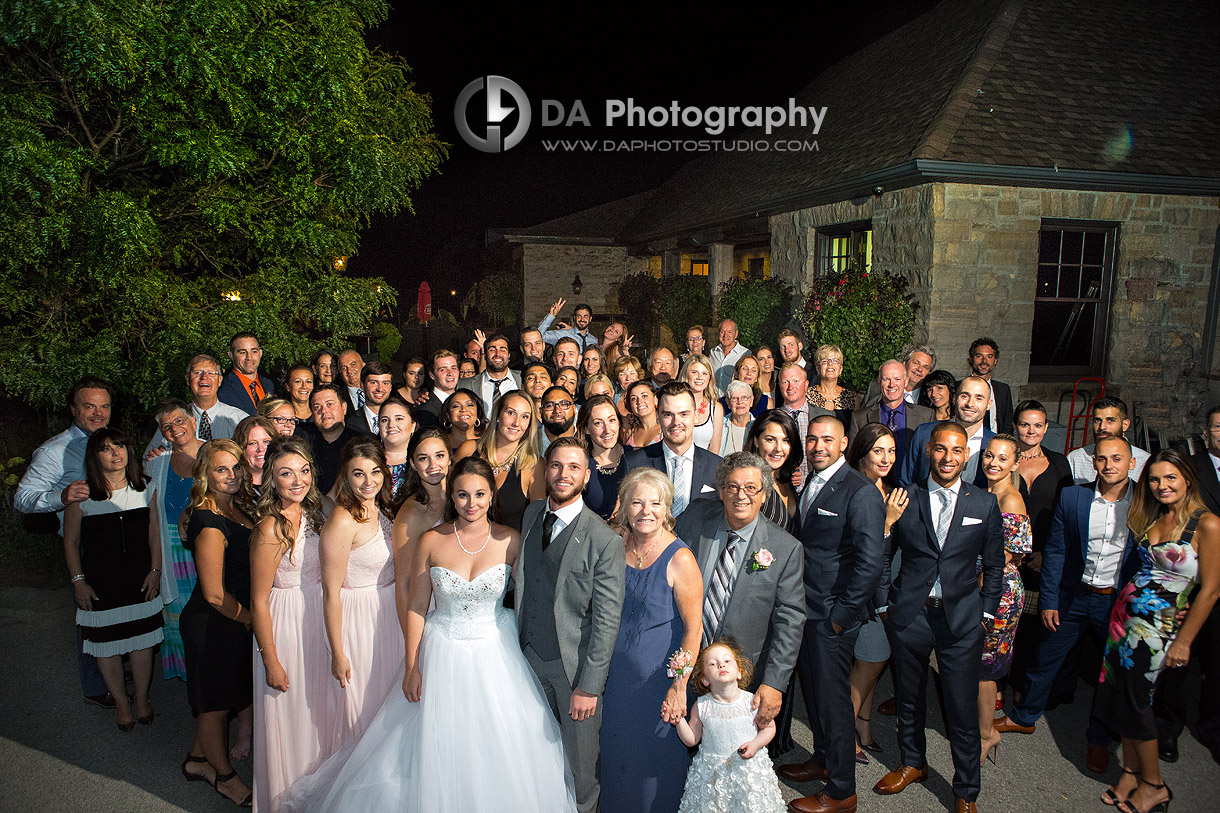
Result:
{"points": [[732, 773]]}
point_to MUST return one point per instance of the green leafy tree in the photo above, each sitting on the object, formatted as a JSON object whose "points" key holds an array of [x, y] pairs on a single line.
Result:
{"points": [[639, 297], [760, 308], [683, 301], [868, 314], [172, 173]]}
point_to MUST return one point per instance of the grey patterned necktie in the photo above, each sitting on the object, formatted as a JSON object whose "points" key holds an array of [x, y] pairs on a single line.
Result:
{"points": [[718, 590], [946, 517]]}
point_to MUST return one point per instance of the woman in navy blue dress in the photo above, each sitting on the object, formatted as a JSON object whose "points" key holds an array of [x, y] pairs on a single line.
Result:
{"points": [[599, 428], [643, 763]]}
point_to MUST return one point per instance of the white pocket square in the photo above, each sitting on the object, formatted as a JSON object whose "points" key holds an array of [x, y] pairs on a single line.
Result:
{"points": [[822, 512], [706, 489], [971, 521]]}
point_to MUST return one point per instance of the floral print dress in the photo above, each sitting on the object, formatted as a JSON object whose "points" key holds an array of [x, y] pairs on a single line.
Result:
{"points": [[1143, 624], [997, 646]]}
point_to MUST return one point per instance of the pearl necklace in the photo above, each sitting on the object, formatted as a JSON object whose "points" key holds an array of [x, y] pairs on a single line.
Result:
{"points": [[463, 547]]}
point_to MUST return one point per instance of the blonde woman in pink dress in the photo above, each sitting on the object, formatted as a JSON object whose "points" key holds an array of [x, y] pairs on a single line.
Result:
{"points": [[293, 691], [358, 591]]}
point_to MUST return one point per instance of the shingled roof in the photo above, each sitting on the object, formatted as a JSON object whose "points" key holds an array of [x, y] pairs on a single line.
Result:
{"points": [[1070, 93]]}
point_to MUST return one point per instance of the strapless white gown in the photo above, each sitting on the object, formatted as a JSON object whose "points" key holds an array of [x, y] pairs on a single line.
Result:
{"points": [[482, 736]]}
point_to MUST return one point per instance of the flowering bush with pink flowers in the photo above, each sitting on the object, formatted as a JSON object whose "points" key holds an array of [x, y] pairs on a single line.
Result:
{"points": [[867, 313]]}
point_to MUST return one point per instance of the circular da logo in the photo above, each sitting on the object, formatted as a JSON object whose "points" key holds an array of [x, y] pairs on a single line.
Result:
{"points": [[496, 87]]}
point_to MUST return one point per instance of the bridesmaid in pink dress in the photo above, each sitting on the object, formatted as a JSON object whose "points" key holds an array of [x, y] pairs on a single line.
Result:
{"points": [[293, 692], [366, 641]]}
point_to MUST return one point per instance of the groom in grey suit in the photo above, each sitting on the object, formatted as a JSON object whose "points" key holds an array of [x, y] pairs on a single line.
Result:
{"points": [[764, 609], [570, 574]]}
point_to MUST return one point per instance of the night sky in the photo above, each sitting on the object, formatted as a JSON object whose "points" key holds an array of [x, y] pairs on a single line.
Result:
{"points": [[654, 56]]}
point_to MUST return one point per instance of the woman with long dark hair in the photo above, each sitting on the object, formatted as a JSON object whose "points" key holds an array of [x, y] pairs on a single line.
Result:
{"points": [[113, 548], [775, 438], [1179, 572], [358, 586], [293, 689]]}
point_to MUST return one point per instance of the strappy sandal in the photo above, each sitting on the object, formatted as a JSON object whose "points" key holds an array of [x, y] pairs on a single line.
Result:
{"points": [[194, 777], [1110, 798], [246, 802], [1162, 806]]}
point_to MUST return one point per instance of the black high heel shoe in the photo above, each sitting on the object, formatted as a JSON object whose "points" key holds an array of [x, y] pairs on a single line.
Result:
{"points": [[1110, 798], [246, 802], [1162, 806], [194, 777], [871, 747]]}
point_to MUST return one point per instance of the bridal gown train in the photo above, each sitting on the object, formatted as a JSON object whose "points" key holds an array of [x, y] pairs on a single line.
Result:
{"points": [[482, 736]]}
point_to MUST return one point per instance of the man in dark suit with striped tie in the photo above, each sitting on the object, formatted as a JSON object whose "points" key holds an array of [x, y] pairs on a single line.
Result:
{"points": [[842, 524]]}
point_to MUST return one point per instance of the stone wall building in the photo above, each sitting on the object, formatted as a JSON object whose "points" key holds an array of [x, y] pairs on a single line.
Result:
{"points": [[1047, 174]]}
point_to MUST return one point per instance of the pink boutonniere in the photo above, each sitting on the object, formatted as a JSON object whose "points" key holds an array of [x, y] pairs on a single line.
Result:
{"points": [[680, 663], [761, 560]]}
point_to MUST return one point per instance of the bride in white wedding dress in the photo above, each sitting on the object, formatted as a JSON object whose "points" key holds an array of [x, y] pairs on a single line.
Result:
{"points": [[471, 730]]}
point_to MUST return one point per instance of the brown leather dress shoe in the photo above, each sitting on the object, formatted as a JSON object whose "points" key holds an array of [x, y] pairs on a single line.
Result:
{"points": [[807, 771], [822, 803], [1007, 726], [1097, 760], [896, 781], [962, 806]]}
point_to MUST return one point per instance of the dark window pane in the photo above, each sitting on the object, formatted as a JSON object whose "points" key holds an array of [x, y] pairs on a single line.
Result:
{"points": [[1048, 276], [1048, 246], [1073, 242], [1063, 334], [1069, 281], [1090, 287], [1094, 247]]}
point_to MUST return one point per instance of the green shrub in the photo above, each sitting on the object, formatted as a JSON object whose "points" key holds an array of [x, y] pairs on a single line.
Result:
{"points": [[638, 299], [389, 340], [684, 301], [867, 314], [760, 307]]}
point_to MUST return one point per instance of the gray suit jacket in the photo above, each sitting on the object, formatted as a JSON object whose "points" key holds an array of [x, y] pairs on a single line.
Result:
{"points": [[766, 612], [588, 599]]}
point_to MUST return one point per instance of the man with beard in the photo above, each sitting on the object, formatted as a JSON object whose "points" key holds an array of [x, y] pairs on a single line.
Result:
{"points": [[376, 383], [536, 378], [570, 587], [971, 402], [497, 379], [242, 386], [983, 358], [558, 415], [691, 468], [582, 315], [792, 349], [328, 433], [1109, 421]]}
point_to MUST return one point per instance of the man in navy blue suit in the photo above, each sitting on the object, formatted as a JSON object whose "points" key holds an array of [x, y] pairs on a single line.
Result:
{"points": [[841, 530], [242, 386], [970, 406], [935, 605], [691, 468], [1083, 567]]}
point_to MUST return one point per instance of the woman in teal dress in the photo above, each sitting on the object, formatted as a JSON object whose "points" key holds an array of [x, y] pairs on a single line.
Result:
{"points": [[1155, 619], [171, 479]]}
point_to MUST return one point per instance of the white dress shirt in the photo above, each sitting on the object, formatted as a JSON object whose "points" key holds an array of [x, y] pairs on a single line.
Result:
{"points": [[934, 489], [1107, 539], [223, 418], [564, 516], [723, 363], [53, 466], [975, 444], [1215, 464], [372, 417], [681, 489], [816, 481], [507, 384], [1081, 462]]}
